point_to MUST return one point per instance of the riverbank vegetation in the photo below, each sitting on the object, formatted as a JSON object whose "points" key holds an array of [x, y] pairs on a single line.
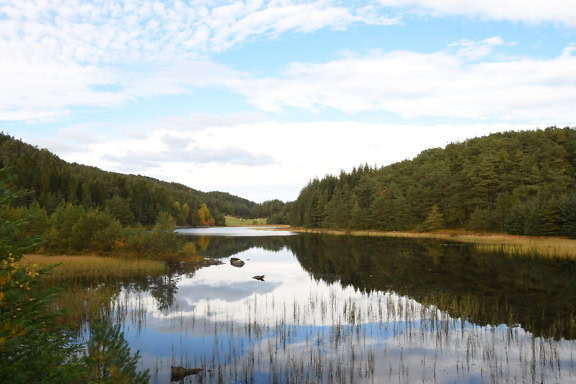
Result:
{"points": [[512, 245], [74, 229], [88, 266], [34, 345], [516, 182]]}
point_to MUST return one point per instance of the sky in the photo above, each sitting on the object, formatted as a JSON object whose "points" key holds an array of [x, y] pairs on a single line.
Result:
{"points": [[258, 97]]}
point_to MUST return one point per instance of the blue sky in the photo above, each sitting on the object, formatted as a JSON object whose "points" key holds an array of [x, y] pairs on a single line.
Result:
{"points": [[257, 97]]}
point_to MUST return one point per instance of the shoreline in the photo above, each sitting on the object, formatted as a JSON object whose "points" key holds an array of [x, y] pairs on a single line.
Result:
{"points": [[555, 247]]}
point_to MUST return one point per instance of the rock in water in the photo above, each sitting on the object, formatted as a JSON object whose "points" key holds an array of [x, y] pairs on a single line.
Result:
{"points": [[178, 373], [237, 262]]}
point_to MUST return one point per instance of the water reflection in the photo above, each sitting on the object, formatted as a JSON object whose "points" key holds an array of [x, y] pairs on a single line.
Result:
{"points": [[234, 231], [345, 309]]}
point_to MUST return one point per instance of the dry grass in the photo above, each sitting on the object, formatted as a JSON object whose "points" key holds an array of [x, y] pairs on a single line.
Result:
{"points": [[96, 266], [553, 247]]}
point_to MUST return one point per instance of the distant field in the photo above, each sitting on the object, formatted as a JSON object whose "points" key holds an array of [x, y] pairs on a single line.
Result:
{"points": [[232, 221]]}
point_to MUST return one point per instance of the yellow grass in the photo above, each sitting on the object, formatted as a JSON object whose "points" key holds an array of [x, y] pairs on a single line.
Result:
{"points": [[96, 266], [554, 247]]}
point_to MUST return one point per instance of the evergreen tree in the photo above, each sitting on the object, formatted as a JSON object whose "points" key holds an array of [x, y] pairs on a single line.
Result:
{"points": [[356, 219], [481, 219], [108, 359], [120, 210], [434, 221], [164, 223], [567, 217], [506, 181]]}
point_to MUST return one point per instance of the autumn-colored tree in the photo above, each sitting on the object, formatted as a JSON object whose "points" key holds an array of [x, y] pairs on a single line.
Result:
{"points": [[205, 216]]}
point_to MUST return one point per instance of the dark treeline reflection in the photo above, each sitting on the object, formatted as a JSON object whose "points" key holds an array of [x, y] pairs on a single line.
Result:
{"points": [[483, 288]]}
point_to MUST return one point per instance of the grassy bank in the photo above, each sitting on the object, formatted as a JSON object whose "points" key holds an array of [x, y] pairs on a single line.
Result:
{"points": [[232, 221], [513, 245], [96, 266]]}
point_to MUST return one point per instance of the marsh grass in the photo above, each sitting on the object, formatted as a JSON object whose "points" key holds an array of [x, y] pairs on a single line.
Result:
{"points": [[512, 245], [95, 266], [551, 248]]}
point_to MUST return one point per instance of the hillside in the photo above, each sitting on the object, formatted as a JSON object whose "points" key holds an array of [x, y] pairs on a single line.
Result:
{"points": [[51, 181], [518, 182]]}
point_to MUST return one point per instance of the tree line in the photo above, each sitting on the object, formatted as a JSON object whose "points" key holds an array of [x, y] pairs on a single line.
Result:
{"points": [[132, 199], [515, 182]]}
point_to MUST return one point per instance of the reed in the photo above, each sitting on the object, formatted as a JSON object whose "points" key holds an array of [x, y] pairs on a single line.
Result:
{"points": [[96, 266], [552, 248], [512, 245]]}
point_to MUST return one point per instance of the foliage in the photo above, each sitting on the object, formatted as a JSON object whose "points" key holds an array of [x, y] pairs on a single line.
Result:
{"points": [[129, 198], [204, 216], [434, 221], [164, 223], [33, 346], [519, 182], [28, 343], [108, 358]]}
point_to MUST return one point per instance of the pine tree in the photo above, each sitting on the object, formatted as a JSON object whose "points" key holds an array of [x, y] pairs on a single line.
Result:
{"points": [[164, 223], [434, 221], [356, 218], [567, 217], [120, 210], [108, 358]]}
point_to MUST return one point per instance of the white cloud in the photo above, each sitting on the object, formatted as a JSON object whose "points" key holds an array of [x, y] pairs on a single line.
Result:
{"points": [[66, 53], [196, 122], [188, 156], [449, 83], [116, 30], [532, 11], [176, 142], [163, 148], [82, 133], [40, 88]]}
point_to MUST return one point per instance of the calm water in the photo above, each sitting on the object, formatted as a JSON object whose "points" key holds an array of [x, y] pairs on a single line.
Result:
{"points": [[336, 309]]}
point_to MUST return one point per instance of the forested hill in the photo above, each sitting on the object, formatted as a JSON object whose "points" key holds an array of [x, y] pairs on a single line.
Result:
{"points": [[52, 181], [518, 182]]}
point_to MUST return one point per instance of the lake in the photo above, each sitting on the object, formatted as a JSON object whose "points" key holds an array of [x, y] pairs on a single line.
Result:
{"points": [[340, 309]]}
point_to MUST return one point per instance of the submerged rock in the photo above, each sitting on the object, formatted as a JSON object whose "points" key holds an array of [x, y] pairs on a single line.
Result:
{"points": [[237, 262], [178, 373], [208, 262]]}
